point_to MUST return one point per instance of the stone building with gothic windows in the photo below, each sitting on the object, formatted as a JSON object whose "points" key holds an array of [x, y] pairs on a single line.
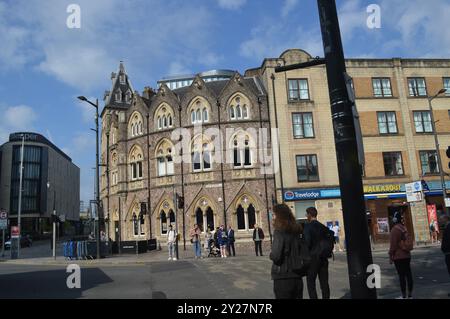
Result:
{"points": [[148, 162]]}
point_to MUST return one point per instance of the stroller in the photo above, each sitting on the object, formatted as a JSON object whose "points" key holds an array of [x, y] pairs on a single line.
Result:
{"points": [[213, 250]]}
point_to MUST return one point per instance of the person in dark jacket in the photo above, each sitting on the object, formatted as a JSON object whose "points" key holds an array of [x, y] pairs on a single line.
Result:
{"points": [[399, 256], [287, 284], [445, 244], [258, 236], [314, 233], [230, 246]]}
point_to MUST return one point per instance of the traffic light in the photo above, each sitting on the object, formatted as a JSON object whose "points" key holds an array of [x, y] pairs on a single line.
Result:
{"points": [[180, 202], [448, 155]]}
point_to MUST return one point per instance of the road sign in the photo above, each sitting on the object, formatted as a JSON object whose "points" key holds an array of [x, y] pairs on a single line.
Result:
{"points": [[447, 202], [15, 232], [3, 220]]}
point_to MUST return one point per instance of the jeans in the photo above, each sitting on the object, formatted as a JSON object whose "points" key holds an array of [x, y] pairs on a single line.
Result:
{"points": [[171, 249], [291, 288], [258, 245], [230, 247], [403, 267], [197, 249], [318, 267]]}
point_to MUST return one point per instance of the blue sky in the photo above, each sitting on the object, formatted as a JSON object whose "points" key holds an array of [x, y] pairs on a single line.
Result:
{"points": [[44, 65]]}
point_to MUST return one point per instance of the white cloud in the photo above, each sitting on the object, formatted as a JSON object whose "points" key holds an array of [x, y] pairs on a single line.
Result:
{"points": [[87, 110], [288, 6], [352, 17], [83, 58], [420, 26], [231, 4], [15, 118], [271, 39], [178, 68]]}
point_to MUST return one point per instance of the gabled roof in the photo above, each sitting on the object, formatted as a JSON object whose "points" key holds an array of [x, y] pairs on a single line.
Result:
{"points": [[110, 99]]}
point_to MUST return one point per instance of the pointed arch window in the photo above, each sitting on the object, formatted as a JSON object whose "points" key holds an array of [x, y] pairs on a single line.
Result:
{"points": [[232, 113], [210, 218], [193, 117], [239, 108], [242, 154], [201, 155], [172, 217], [128, 97], [245, 112], [136, 127], [136, 160], [198, 115], [240, 214], [165, 163], [170, 121], [159, 123], [199, 218], [205, 115], [163, 221], [119, 96], [246, 214], [164, 121], [238, 112]]}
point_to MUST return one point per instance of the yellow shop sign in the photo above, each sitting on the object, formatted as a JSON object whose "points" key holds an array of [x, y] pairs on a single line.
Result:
{"points": [[385, 188]]}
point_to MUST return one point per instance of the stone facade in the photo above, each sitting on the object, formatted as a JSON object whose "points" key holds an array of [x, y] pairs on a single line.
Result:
{"points": [[148, 161]]}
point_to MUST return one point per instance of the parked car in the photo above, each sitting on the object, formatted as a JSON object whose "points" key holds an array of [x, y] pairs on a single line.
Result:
{"points": [[25, 241]]}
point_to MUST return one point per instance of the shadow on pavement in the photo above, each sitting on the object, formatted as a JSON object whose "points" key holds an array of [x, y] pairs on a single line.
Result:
{"points": [[49, 284]]}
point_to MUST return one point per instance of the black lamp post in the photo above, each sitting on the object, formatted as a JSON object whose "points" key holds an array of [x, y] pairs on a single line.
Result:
{"points": [[97, 178]]}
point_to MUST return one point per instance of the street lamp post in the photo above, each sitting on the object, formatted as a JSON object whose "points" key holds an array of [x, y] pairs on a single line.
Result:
{"points": [[436, 143], [54, 222], [97, 199]]}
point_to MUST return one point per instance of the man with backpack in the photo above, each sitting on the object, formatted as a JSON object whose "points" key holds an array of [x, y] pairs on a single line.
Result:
{"points": [[320, 241]]}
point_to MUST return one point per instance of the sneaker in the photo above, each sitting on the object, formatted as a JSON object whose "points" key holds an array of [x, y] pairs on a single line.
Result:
{"points": [[410, 297], [174, 258], [400, 297], [170, 258]]}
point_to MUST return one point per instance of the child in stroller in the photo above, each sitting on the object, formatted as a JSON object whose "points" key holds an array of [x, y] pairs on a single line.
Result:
{"points": [[214, 251]]}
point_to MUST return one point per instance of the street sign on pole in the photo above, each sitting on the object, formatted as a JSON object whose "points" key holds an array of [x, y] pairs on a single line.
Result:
{"points": [[414, 191], [3, 220]]}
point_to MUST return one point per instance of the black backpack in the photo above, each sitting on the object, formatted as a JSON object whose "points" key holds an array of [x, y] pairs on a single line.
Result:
{"points": [[326, 243], [298, 255]]}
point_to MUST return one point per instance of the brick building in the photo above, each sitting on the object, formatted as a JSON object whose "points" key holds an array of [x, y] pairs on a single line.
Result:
{"points": [[392, 101], [148, 161]]}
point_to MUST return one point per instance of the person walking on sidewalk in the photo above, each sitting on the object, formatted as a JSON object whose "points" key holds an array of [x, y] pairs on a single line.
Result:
{"points": [[171, 237], [208, 237], [445, 244], [195, 240], [400, 254], [258, 236], [223, 240], [287, 284], [336, 229], [320, 241], [230, 236]]}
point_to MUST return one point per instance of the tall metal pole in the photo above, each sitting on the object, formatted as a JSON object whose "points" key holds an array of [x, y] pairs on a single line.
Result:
{"points": [[438, 153], [221, 167], [19, 210], [97, 177], [54, 225], [175, 204], [359, 254], [182, 180]]}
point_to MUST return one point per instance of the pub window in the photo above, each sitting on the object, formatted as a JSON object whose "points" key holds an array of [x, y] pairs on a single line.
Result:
{"points": [[240, 217], [307, 168], [302, 125], [393, 164], [417, 87], [381, 87], [163, 219], [429, 162], [446, 86], [422, 122], [387, 122], [298, 89]]}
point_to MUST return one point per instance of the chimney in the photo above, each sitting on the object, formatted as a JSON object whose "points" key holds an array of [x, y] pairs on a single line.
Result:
{"points": [[148, 92], [113, 77]]}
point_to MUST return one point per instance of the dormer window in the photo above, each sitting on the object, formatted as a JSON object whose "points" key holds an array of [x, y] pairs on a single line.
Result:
{"points": [[119, 96], [128, 97], [122, 79], [239, 109]]}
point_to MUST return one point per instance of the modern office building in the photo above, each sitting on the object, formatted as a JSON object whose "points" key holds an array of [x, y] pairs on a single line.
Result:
{"points": [[148, 162], [51, 182], [392, 102], [179, 81]]}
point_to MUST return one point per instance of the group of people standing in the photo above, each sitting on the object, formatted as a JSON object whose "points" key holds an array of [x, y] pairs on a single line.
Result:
{"points": [[287, 279]]}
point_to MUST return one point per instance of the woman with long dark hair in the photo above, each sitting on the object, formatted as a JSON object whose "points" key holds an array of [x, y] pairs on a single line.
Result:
{"points": [[287, 284], [400, 254]]}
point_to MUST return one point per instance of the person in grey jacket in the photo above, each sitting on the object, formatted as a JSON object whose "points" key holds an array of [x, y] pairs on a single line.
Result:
{"points": [[287, 284]]}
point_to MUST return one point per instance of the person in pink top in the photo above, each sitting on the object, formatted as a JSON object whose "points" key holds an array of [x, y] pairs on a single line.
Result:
{"points": [[400, 254]]}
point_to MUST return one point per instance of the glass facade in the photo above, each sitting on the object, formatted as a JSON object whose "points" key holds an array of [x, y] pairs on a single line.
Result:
{"points": [[31, 180]]}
